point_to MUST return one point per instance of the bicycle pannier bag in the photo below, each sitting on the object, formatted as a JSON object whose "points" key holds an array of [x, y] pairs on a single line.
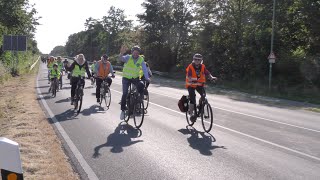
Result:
{"points": [[183, 104]]}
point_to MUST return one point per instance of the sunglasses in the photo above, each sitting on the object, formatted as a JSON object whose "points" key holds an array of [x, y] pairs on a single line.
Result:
{"points": [[197, 59]]}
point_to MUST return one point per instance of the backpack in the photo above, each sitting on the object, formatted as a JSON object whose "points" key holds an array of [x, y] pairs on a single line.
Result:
{"points": [[183, 103]]}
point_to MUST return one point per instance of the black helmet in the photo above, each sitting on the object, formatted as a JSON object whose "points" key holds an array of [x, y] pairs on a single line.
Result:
{"points": [[105, 56], [136, 48], [197, 56]]}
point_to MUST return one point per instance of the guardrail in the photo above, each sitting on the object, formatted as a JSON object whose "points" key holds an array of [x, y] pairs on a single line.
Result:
{"points": [[32, 66]]}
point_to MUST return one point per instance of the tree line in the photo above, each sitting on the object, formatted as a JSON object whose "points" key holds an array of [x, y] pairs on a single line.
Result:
{"points": [[233, 36]]}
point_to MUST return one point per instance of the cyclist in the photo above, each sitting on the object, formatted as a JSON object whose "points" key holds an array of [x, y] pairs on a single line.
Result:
{"points": [[196, 74], [78, 68], [102, 70], [54, 73], [60, 67], [131, 68], [50, 66], [93, 69]]}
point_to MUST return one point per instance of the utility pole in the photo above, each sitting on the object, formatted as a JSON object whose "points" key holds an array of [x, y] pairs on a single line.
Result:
{"points": [[272, 56]]}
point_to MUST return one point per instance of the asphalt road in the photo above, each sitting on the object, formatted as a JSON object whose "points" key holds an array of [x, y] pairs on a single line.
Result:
{"points": [[248, 140]]}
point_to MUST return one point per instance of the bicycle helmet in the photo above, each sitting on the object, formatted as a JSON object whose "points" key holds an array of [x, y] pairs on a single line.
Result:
{"points": [[105, 57], [197, 56], [55, 64], [136, 48]]}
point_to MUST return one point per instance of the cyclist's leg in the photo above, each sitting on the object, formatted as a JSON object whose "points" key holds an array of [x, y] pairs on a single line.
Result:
{"points": [[201, 91], [140, 86], [98, 84], [125, 85], [192, 97], [74, 81]]}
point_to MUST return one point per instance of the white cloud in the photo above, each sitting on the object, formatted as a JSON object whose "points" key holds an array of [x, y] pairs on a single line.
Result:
{"points": [[61, 18]]}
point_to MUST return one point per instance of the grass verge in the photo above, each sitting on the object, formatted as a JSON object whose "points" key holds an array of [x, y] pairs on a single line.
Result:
{"points": [[22, 120]]}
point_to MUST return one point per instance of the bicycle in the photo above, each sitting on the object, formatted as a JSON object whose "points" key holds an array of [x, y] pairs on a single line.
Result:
{"points": [[135, 107], [105, 93], [203, 110], [54, 86], [78, 95]]}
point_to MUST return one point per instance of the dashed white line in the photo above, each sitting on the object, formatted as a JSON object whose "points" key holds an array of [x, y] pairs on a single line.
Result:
{"points": [[238, 132]]}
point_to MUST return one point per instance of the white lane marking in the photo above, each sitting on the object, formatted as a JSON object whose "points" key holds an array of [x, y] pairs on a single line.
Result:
{"points": [[270, 120], [75, 151], [238, 132]]}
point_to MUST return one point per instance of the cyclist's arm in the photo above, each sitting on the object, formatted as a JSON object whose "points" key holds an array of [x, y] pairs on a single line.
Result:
{"points": [[71, 67], [123, 59], [144, 69], [87, 70]]}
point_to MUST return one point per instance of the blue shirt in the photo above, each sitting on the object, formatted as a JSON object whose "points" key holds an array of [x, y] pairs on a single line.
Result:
{"points": [[126, 58]]}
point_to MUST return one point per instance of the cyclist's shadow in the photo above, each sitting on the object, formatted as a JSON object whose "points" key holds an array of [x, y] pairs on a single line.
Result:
{"points": [[121, 137], [92, 110], [200, 140]]}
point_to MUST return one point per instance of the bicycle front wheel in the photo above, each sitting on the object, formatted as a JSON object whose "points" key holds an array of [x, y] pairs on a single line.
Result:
{"points": [[207, 117], [129, 110], [80, 104], [138, 113], [54, 89]]}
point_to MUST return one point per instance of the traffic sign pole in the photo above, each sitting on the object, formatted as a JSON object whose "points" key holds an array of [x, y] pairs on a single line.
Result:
{"points": [[271, 51]]}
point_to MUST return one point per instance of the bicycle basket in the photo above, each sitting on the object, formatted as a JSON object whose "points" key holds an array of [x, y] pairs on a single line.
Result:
{"points": [[183, 103]]}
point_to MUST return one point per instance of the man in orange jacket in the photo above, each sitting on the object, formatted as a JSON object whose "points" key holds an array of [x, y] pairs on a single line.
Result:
{"points": [[102, 70], [196, 74]]}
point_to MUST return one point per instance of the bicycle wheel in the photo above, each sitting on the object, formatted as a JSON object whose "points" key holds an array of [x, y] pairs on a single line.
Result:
{"points": [[107, 97], [207, 117], [80, 104], [146, 100], [138, 112], [129, 108], [190, 123]]}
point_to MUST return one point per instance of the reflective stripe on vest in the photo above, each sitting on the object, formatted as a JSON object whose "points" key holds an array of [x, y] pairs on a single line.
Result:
{"points": [[199, 81], [78, 72], [103, 71], [131, 70]]}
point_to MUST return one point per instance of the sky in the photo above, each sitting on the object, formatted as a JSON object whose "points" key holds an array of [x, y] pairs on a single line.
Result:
{"points": [[61, 18]]}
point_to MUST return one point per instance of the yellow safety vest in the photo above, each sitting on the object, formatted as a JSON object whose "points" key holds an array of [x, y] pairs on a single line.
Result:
{"points": [[79, 72], [131, 70], [55, 73]]}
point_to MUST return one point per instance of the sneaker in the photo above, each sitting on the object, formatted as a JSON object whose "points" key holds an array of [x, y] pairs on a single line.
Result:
{"points": [[98, 100], [122, 115]]}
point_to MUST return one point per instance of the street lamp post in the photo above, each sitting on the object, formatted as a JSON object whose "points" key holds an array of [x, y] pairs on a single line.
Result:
{"points": [[271, 56]]}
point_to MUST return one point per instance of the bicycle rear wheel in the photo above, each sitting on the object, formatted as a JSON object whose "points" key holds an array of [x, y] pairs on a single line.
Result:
{"points": [[138, 113], [207, 117], [188, 116], [107, 97], [146, 99]]}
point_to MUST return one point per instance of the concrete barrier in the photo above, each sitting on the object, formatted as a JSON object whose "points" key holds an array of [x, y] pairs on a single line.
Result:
{"points": [[10, 162]]}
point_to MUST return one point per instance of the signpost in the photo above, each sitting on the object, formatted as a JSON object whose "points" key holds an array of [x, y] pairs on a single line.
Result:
{"points": [[14, 43], [272, 57]]}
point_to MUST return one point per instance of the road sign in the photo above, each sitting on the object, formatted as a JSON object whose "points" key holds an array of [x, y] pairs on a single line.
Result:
{"points": [[272, 58], [14, 43]]}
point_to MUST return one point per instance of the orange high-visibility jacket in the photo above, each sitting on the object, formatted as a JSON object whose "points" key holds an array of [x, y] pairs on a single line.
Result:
{"points": [[194, 81], [103, 71]]}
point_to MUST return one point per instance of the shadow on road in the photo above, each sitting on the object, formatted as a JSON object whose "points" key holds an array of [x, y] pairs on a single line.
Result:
{"points": [[200, 141], [65, 116], [63, 100], [121, 137], [40, 87], [92, 109]]}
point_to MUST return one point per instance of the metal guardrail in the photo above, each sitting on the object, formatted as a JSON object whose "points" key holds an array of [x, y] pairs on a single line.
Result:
{"points": [[32, 66]]}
